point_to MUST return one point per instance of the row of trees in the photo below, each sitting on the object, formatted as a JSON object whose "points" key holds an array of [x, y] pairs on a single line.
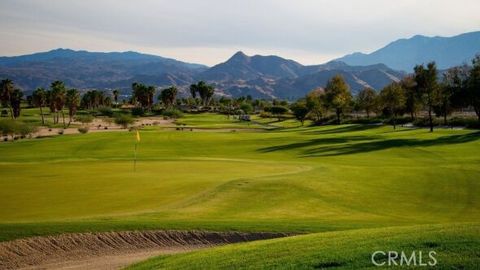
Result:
{"points": [[11, 97], [56, 99], [459, 88]]}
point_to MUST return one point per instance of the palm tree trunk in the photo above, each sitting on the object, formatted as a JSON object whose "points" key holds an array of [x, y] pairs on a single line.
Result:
{"points": [[11, 111], [41, 114], [63, 117]]}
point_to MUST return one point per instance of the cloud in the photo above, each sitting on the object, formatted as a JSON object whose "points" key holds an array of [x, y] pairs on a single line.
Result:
{"points": [[305, 30]]}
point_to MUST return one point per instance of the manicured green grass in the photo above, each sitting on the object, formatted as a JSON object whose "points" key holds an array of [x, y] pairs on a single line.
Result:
{"points": [[291, 178], [215, 121], [455, 247]]}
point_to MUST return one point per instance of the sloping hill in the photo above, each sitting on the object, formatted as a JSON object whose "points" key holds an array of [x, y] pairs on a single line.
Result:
{"points": [[82, 69], [404, 54], [455, 245]]}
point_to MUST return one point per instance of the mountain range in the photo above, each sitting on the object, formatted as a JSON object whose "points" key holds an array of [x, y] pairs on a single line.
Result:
{"points": [[258, 76], [404, 54]]}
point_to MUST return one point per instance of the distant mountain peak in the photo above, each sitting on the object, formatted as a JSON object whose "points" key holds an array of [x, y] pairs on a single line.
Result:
{"points": [[239, 56], [404, 54]]}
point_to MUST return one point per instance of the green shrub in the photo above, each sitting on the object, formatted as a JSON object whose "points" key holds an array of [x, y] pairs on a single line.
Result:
{"points": [[123, 120], [172, 113], [83, 130], [468, 122], [137, 111], [105, 111], [84, 119], [9, 127]]}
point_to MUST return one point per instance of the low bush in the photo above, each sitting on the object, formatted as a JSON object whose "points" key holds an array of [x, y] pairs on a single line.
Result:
{"points": [[123, 120], [172, 113], [137, 111], [9, 127], [84, 118], [105, 111], [83, 130]]}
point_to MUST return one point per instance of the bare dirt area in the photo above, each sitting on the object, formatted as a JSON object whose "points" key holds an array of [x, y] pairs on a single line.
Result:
{"points": [[111, 250], [101, 125]]}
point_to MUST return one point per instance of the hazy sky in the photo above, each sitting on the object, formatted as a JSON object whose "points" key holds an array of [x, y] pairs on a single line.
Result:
{"points": [[210, 31]]}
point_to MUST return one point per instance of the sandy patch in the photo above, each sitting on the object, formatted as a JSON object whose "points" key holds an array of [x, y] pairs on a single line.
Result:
{"points": [[110, 250]]}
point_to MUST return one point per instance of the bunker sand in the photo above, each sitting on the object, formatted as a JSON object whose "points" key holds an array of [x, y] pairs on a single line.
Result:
{"points": [[111, 250]]}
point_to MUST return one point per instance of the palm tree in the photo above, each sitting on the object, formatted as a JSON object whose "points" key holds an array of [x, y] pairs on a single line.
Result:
{"points": [[167, 96], [7, 89], [57, 98], [39, 98], [72, 100], [115, 96], [16, 101]]}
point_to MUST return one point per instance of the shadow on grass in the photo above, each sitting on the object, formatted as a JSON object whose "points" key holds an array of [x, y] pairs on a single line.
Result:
{"points": [[344, 129], [315, 142], [358, 144]]}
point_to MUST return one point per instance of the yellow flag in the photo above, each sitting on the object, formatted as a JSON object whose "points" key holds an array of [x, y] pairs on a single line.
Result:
{"points": [[138, 136]]}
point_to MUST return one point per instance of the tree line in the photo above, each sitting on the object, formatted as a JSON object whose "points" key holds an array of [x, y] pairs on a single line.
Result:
{"points": [[458, 88], [422, 91]]}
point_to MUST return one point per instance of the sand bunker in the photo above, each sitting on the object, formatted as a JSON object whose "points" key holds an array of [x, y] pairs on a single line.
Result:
{"points": [[110, 250]]}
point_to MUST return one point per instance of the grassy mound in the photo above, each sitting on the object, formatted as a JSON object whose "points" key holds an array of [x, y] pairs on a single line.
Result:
{"points": [[456, 247]]}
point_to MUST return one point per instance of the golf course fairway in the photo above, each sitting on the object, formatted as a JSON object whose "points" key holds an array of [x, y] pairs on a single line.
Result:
{"points": [[348, 189]]}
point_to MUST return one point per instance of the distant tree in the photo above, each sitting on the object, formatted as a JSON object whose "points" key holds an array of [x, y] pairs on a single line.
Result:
{"points": [[94, 99], [278, 111], [315, 103], [115, 96], [337, 94], [366, 100], [412, 97], [143, 95], [16, 101], [427, 86], [57, 99], [7, 89], [72, 101], [450, 90], [193, 90], [393, 99], [204, 90], [246, 108], [167, 96], [39, 99], [473, 86], [300, 110]]}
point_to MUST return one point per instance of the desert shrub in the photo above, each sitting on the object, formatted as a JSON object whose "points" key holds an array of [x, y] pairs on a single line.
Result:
{"points": [[105, 111], [123, 120], [83, 130], [8, 127], [15, 127], [172, 113], [468, 122], [25, 129], [138, 111], [265, 115], [84, 119]]}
